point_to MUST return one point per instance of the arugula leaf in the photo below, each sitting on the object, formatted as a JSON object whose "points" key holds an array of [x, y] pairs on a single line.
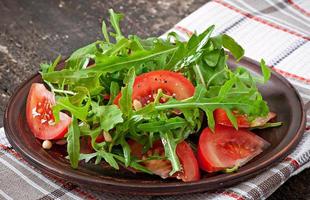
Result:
{"points": [[125, 101], [80, 96], [250, 103], [114, 90], [108, 157], [126, 151], [109, 64], [212, 57], [45, 67], [87, 157], [160, 126], [195, 47], [73, 143], [230, 44], [63, 103], [170, 151], [109, 116], [92, 84], [265, 70], [117, 63], [105, 32], [115, 19], [80, 57], [134, 165]]}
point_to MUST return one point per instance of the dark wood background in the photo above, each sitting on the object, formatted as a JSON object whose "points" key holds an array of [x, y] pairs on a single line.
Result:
{"points": [[35, 31]]}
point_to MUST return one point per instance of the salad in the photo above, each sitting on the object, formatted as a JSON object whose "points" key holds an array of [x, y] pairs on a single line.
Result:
{"points": [[166, 107]]}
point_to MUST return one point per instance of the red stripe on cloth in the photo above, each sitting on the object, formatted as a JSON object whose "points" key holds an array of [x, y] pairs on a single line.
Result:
{"points": [[290, 75], [232, 195], [3, 147], [295, 5], [184, 30], [83, 194], [261, 20], [12, 152], [292, 162]]}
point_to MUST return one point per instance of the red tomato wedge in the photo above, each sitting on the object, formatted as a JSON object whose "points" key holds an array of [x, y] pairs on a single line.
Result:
{"points": [[172, 83], [40, 117], [189, 163], [221, 117], [190, 168], [227, 147], [242, 120]]}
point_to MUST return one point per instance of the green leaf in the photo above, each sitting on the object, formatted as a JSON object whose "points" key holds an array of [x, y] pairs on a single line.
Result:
{"points": [[108, 157], [117, 63], [230, 44], [80, 96], [92, 84], [109, 116], [46, 68], [159, 126], [114, 90], [170, 151], [105, 32], [122, 44], [265, 70], [55, 63], [193, 117], [115, 19], [78, 58], [211, 58], [109, 64], [125, 101], [196, 46], [63, 103], [232, 118], [87, 157], [215, 75], [126, 151], [73, 143], [134, 165]]}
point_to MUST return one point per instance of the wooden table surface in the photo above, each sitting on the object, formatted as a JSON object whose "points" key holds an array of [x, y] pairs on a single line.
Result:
{"points": [[35, 31]]}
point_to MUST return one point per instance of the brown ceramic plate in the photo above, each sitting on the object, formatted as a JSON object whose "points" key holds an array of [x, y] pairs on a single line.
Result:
{"points": [[279, 93]]}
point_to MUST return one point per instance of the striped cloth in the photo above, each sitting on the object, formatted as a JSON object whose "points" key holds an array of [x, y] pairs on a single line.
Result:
{"points": [[277, 31]]}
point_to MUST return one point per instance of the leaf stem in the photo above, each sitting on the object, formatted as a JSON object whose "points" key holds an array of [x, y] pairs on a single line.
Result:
{"points": [[64, 91]]}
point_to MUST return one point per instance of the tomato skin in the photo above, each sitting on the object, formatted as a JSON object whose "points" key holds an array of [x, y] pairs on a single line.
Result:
{"points": [[189, 163], [222, 118], [162, 168], [227, 147], [172, 83], [39, 114]]}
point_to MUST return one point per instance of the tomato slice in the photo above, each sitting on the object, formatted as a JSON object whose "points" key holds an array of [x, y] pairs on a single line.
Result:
{"points": [[189, 163], [40, 117], [221, 117], [190, 168], [242, 120], [227, 147], [173, 84]]}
